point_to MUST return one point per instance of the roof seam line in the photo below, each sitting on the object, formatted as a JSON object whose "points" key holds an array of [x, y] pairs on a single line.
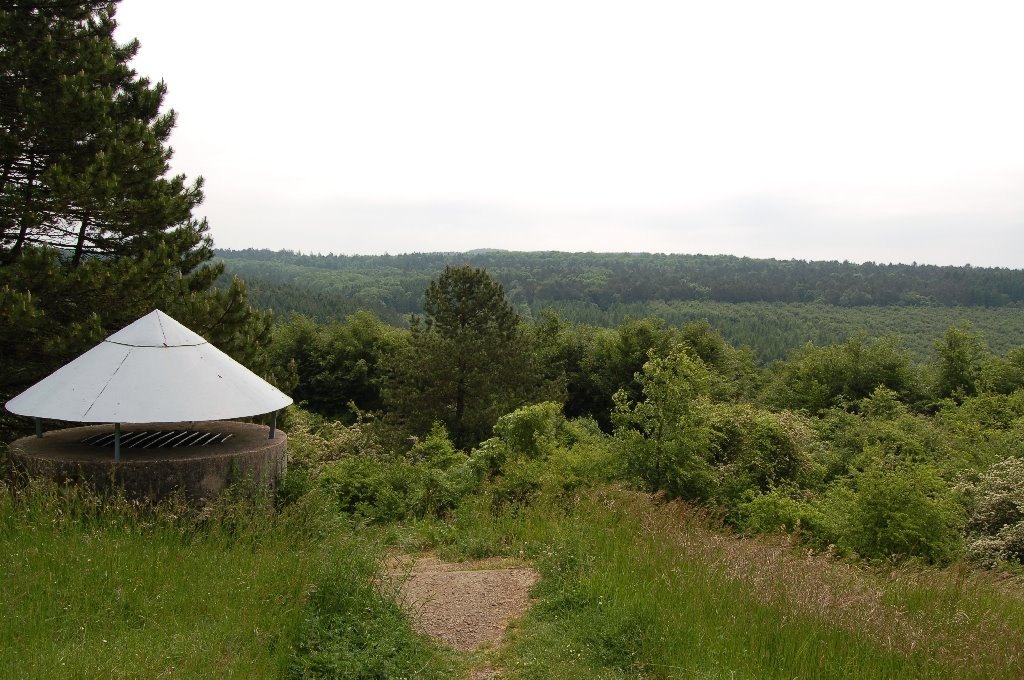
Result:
{"points": [[127, 344], [109, 380], [160, 323]]}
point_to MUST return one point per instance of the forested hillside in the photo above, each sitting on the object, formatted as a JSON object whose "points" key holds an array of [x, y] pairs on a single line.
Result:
{"points": [[772, 306], [607, 278]]}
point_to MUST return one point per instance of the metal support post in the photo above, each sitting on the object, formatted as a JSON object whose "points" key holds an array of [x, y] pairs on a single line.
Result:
{"points": [[117, 442], [273, 425], [39, 428]]}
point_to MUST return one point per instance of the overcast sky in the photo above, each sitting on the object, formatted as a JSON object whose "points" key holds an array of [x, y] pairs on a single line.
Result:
{"points": [[886, 131]]}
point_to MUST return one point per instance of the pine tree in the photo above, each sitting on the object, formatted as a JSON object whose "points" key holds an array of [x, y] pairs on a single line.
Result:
{"points": [[93, 231], [83, 148], [469, 361]]}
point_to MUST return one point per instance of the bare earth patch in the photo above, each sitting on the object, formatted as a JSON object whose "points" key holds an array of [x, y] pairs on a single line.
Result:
{"points": [[462, 604]]}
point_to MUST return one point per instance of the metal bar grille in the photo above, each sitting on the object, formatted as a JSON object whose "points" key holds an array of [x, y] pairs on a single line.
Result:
{"points": [[158, 439]]}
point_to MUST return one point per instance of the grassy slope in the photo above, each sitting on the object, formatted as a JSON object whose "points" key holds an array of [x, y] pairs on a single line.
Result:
{"points": [[632, 588], [636, 589], [104, 589]]}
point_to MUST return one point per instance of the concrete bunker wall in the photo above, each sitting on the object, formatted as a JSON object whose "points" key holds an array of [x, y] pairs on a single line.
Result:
{"points": [[199, 473]]}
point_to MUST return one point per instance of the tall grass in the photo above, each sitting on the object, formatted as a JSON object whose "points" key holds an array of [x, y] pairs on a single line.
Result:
{"points": [[635, 589], [100, 587]]}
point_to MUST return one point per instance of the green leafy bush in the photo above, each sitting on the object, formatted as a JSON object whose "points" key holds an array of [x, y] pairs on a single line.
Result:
{"points": [[662, 438], [384, 490], [533, 430], [781, 509], [883, 430], [430, 480], [436, 449], [314, 440], [894, 509], [536, 448], [815, 378], [755, 449], [677, 440], [490, 456], [985, 429], [521, 480]]}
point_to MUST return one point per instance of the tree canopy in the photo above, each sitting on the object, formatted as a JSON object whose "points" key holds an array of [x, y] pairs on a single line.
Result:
{"points": [[391, 284], [84, 141], [93, 231], [468, 361]]}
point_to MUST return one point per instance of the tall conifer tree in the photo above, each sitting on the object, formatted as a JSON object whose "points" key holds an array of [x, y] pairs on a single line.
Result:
{"points": [[93, 231], [469, 359]]}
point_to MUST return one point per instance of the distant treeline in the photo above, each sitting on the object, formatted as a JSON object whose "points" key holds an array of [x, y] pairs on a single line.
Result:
{"points": [[607, 278], [771, 306]]}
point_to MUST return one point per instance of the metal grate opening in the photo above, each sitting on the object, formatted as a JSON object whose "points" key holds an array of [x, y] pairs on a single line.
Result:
{"points": [[158, 439]]}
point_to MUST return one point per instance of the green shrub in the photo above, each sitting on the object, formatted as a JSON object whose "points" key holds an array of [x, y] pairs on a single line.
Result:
{"points": [[392, 489], [719, 452], [895, 509], [439, 491], [490, 456], [521, 480], [536, 448], [679, 468], [314, 440], [351, 464], [436, 449], [985, 429], [778, 510], [884, 431], [592, 459], [293, 485], [678, 440], [378, 489], [755, 449], [533, 430], [816, 378]]}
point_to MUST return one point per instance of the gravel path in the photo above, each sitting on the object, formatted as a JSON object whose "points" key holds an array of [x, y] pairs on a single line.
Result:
{"points": [[463, 604]]}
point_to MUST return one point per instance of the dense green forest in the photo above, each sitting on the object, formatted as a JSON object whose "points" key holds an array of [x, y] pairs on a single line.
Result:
{"points": [[834, 438], [770, 306], [606, 278]]}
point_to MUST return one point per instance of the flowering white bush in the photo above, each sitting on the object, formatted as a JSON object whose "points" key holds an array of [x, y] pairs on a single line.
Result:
{"points": [[997, 522]]}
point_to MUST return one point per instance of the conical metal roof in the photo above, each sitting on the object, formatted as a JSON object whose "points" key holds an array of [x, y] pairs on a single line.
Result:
{"points": [[152, 371]]}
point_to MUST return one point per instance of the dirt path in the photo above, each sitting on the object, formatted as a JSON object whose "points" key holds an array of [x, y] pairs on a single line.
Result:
{"points": [[464, 605]]}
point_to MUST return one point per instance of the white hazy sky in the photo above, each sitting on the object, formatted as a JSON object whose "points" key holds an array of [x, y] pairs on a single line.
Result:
{"points": [[887, 131]]}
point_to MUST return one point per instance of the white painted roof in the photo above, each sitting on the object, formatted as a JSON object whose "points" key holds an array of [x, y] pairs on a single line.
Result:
{"points": [[152, 371]]}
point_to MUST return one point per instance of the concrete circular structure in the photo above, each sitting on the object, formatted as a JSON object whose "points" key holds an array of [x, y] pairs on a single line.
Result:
{"points": [[198, 472]]}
